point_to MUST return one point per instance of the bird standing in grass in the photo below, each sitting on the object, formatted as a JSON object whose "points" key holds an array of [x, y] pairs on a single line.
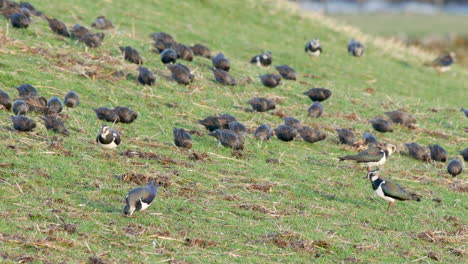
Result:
{"points": [[108, 138], [223, 77], [369, 139], [465, 111], [355, 48], [78, 31], [381, 125], [228, 138], [221, 62], [145, 76], [265, 59], [55, 124], [131, 55], [201, 50], [390, 191], [102, 22], [313, 48], [126, 114], [140, 198], [23, 123], [93, 40], [72, 99], [260, 104], [444, 63], [263, 132], [20, 20], [464, 154], [20, 107], [58, 27], [455, 167], [311, 135], [54, 106], [5, 101], [285, 133], [286, 72], [270, 80], [181, 73], [346, 136], [315, 110], [402, 118], [182, 138], [318, 94], [373, 156], [183, 52], [168, 56], [418, 152], [438, 153]]}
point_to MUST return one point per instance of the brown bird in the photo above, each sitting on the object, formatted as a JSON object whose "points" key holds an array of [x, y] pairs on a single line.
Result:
{"points": [[418, 152], [455, 167], [20, 107], [131, 55], [126, 115], [102, 22], [292, 122], [261, 104], [213, 123], [221, 62], [286, 72], [23, 123], [201, 50], [93, 40], [346, 136], [58, 27], [223, 77], [5, 102], [182, 138], [54, 106], [270, 80], [72, 99], [55, 124], [315, 110], [183, 52], [318, 94], [145, 76], [78, 31], [285, 133], [402, 118], [381, 125], [312, 135], [263, 132], [181, 73], [107, 114], [438, 153], [228, 138]]}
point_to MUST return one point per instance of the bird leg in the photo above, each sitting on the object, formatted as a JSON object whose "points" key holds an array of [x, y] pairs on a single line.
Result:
{"points": [[389, 204], [368, 168]]}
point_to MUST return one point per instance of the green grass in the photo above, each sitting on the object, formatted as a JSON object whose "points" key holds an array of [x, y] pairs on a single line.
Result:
{"points": [[316, 199]]}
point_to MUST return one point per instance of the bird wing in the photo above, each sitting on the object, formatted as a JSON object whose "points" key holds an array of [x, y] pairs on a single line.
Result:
{"points": [[369, 155], [394, 190]]}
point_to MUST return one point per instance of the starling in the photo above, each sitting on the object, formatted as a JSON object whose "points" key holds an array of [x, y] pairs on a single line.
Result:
{"points": [[126, 115], [31, 9], [140, 198], [54, 106], [72, 99], [36, 103], [58, 27], [312, 135], [418, 152], [55, 124], [221, 62], [182, 138], [227, 118], [201, 50], [286, 72], [228, 138], [238, 128], [313, 47], [318, 94], [131, 55], [162, 36], [265, 59], [108, 138], [381, 125], [455, 167], [183, 52], [464, 154], [223, 77], [162, 45], [107, 114], [168, 56], [213, 123], [285, 133], [93, 40], [78, 31], [315, 110], [402, 118], [438, 153], [346, 136], [20, 20], [355, 48], [263, 132], [181, 73], [270, 80], [20, 107], [369, 139], [261, 104], [102, 22], [5, 102], [25, 90], [292, 122], [23, 123], [145, 76]]}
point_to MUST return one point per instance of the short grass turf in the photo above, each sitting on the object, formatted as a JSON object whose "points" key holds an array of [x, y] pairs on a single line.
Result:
{"points": [[62, 197]]}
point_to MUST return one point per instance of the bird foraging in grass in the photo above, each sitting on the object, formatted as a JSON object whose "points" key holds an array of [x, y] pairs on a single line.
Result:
{"points": [[126, 114], [72, 99], [465, 111], [228, 138], [183, 52], [221, 62], [54, 106], [23, 123], [438, 153], [346, 136], [313, 47], [102, 22], [381, 125], [318, 94], [107, 114], [286, 72], [78, 31], [418, 152], [168, 56], [182, 138], [402, 118], [20, 20], [455, 167], [5, 101], [270, 80], [260, 104], [355, 48], [464, 154], [25, 90], [265, 59], [108, 138], [389, 190], [140, 198], [145, 76], [263, 132], [181, 73], [373, 156], [201, 50], [93, 40], [285, 133], [20, 107], [315, 110], [369, 139], [55, 124], [311, 135], [58, 27], [131, 55], [223, 77]]}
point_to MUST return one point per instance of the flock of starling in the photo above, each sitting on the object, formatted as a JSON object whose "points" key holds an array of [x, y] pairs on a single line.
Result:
{"points": [[225, 128]]}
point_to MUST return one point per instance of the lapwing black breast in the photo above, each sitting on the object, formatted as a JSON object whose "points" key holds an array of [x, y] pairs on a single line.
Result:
{"points": [[131, 55], [315, 110], [260, 104], [102, 22], [311, 135], [228, 138], [55, 124], [20, 20], [201, 50], [263, 132], [78, 31], [58, 27], [381, 125], [145, 76], [23, 123], [318, 94], [107, 114], [270, 80], [54, 106], [140, 198], [181, 73], [126, 114], [108, 138], [355, 48], [20, 107], [455, 167], [265, 59], [418, 152], [182, 138], [402, 118], [346, 136], [313, 47], [168, 56], [93, 40], [183, 52], [223, 77], [286, 72], [5, 101], [285, 133], [438, 153], [221, 62], [72, 99]]}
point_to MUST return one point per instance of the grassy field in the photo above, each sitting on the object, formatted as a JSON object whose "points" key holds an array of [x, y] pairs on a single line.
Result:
{"points": [[62, 197]]}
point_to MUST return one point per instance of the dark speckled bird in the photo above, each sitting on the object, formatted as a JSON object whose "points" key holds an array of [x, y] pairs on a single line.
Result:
{"points": [[54, 106], [455, 167], [228, 138], [346, 136], [315, 110], [221, 62], [312, 135], [108, 138], [78, 31], [58, 27], [25, 90], [163, 36], [238, 128], [168, 56], [355, 48], [318, 94], [145, 76], [23, 123], [263, 132], [389, 190], [36, 103], [140, 198], [381, 125], [418, 152], [369, 139], [223, 77], [444, 63], [5, 101], [313, 47], [402, 118], [227, 118], [465, 111], [201, 50], [107, 114], [183, 52], [372, 156], [72, 99], [30, 8], [20, 20], [438, 153], [292, 122], [93, 40], [161, 45], [20, 107], [182, 138], [131, 55], [126, 115], [260, 104], [286, 72], [55, 124], [181, 73], [464, 154], [270, 80], [102, 22], [265, 59], [285, 133], [213, 123]]}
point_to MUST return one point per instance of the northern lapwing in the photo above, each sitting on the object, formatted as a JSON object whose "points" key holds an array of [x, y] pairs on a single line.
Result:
{"points": [[355, 48], [270, 80], [201, 50], [315, 110], [140, 198], [183, 52], [23, 123], [20, 107], [181, 73], [265, 59], [223, 77], [260, 104], [55, 124], [102, 22], [78, 31], [418, 152], [369, 139], [346, 136], [402, 118], [444, 63], [311, 135], [389, 190], [372, 156], [132, 55], [107, 114], [228, 138], [5, 101], [464, 154], [381, 125], [438, 153], [221, 62], [126, 114], [182, 138], [455, 167], [93, 40], [145, 76], [108, 138], [263, 132], [54, 106], [58, 27], [286, 133], [286, 72], [318, 94], [71, 99], [168, 56], [313, 47], [20, 20]]}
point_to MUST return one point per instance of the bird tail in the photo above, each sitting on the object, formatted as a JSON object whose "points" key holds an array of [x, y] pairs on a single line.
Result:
{"points": [[342, 158]]}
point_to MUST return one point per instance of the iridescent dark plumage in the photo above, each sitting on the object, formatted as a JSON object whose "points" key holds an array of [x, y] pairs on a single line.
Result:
{"points": [[270, 80], [228, 138], [261, 104], [23, 123], [102, 22], [346, 136], [55, 124], [93, 40], [27, 90], [126, 115], [238, 128], [181, 73], [402, 118], [183, 52], [162, 36], [315, 110], [213, 123], [286, 72], [201, 50], [20, 20], [162, 45], [418, 152], [5, 101], [20, 107], [107, 114], [444, 63], [145, 76], [369, 139], [221, 62], [355, 48], [311, 135], [438, 153], [455, 167], [78, 31], [285, 133], [292, 122], [318, 94], [168, 56], [381, 125], [265, 59], [131, 55], [182, 138], [223, 77], [464, 154], [72, 99], [263, 132], [54, 106], [58, 27], [36, 103]]}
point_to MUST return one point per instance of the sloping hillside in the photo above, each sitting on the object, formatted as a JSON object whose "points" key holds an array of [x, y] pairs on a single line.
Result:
{"points": [[62, 197]]}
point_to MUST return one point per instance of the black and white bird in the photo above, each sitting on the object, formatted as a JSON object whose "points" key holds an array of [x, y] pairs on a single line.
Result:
{"points": [[389, 190], [168, 56], [444, 63], [145, 76], [373, 156], [265, 59], [140, 198], [313, 47], [355, 48], [108, 138], [71, 99]]}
